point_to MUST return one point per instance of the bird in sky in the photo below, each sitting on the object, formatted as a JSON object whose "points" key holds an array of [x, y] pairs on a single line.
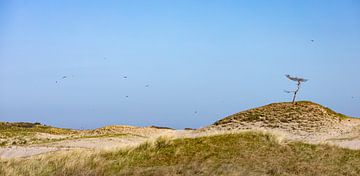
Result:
{"points": [[312, 40], [147, 85], [125, 77], [64, 77]]}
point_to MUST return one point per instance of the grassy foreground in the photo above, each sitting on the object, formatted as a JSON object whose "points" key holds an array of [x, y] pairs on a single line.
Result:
{"points": [[247, 153]]}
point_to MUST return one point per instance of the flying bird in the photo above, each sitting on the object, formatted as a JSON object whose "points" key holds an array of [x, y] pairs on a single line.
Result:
{"points": [[147, 85], [64, 77], [125, 77], [312, 40]]}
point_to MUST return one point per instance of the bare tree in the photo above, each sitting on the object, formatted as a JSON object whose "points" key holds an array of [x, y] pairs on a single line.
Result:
{"points": [[299, 81]]}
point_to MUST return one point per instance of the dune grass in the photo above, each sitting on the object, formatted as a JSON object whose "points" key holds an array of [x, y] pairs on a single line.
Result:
{"points": [[8, 130], [22, 133], [247, 153]]}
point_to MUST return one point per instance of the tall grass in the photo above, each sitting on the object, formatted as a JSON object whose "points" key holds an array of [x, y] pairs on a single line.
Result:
{"points": [[247, 153]]}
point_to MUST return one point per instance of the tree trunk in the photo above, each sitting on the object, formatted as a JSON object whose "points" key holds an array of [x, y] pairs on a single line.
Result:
{"points": [[296, 91], [293, 101]]}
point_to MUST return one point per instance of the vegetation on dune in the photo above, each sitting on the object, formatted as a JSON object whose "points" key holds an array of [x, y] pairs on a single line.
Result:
{"points": [[20, 133], [8, 129], [305, 116], [247, 153], [24, 133]]}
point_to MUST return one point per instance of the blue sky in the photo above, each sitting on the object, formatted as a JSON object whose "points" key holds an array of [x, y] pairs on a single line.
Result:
{"points": [[215, 58]]}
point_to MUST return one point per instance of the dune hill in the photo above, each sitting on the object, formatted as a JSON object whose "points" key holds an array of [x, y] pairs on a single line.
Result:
{"points": [[303, 118]]}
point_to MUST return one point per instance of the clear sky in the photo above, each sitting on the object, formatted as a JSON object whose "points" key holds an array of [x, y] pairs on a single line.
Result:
{"points": [[202, 59]]}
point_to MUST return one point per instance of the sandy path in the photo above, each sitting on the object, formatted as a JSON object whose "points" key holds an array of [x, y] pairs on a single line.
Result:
{"points": [[91, 143], [100, 143], [14, 152]]}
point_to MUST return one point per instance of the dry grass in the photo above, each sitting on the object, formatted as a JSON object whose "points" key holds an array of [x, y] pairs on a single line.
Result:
{"points": [[246, 153]]}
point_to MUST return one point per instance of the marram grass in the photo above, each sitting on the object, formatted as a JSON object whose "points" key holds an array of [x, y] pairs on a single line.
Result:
{"points": [[249, 153]]}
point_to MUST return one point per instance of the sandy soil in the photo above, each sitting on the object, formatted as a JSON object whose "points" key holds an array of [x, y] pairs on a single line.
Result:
{"points": [[17, 151]]}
